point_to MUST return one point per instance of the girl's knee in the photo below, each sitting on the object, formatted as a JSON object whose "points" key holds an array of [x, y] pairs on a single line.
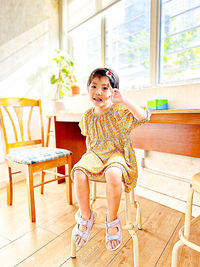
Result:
{"points": [[113, 176], [79, 176]]}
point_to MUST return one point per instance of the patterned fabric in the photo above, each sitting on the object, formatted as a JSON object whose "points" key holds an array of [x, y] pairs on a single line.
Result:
{"points": [[35, 155], [110, 144]]}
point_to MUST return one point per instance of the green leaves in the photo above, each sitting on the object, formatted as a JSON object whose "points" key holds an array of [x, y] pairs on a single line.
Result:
{"points": [[56, 60], [74, 78], [53, 79], [64, 70], [65, 75]]}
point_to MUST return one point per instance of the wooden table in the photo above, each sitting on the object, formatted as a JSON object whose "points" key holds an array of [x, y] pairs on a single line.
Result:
{"points": [[68, 134], [170, 131]]}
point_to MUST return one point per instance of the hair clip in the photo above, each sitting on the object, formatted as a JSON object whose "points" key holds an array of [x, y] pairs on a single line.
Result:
{"points": [[108, 73]]}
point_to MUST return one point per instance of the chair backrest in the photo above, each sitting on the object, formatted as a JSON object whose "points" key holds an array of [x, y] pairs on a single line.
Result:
{"points": [[16, 116]]}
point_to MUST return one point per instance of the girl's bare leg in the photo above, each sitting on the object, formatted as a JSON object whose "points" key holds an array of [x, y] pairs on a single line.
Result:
{"points": [[81, 185], [113, 192]]}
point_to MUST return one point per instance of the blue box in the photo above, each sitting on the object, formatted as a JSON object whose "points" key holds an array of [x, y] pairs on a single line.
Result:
{"points": [[157, 104]]}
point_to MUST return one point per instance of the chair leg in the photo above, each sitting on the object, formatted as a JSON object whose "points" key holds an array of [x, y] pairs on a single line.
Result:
{"points": [[138, 216], [132, 194], [135, 248], [127, 208], [94, 191], [31, 199], [69, 182], [175, 250], [188, 213], [73, 248], [187, 224], [136, 205], [9, 188], [94, 195], [132, 232], [42, 181]]}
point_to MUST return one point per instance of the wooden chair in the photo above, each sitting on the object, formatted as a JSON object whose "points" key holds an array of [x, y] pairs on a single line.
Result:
{"points": [[16, 118], [184, 232], [130, 226]]}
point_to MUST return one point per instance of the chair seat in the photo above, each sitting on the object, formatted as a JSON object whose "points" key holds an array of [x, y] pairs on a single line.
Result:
{"points": [[35, 155]]}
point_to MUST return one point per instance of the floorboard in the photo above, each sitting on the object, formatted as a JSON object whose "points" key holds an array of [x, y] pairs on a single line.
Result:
{"points": [[47, 242]]}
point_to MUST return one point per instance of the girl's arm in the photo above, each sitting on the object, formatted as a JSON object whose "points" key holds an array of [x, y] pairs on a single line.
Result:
{"points": [[138, 112]]}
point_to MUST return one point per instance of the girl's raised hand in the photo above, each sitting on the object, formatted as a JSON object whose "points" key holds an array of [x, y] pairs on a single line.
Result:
{"points": [[117, 96]]}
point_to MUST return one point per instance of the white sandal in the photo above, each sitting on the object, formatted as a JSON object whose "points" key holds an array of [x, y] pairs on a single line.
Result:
{"points": [[117, 236], [88, 224]]}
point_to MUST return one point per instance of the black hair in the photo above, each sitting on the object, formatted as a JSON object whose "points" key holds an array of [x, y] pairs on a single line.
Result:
{"points": [[112, 76]]}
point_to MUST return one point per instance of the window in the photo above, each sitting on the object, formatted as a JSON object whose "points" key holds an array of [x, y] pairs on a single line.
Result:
{"points": [[128, 41], [86, 49], [125, 36], [106, 3], [80, 11], [180, 40]]}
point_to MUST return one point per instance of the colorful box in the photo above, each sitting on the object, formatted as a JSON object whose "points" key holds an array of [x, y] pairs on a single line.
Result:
{"points": [[157, 104]]}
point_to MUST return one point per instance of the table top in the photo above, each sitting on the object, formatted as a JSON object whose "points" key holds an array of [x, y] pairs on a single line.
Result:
{"points": [[181, 114]]}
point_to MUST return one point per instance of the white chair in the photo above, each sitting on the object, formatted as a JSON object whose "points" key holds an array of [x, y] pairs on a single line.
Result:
{"points": [[184, 232], [16, 115]]}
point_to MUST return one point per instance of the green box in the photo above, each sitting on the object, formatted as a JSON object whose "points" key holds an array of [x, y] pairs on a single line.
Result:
{"points": [[157, 104]]}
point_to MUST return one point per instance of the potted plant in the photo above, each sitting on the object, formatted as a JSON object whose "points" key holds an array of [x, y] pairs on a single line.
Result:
{"points": [[65, 78], [65, 75]]}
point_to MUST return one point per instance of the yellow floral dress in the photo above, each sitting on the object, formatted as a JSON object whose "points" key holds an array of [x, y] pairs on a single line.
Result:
{"points": [[110, 144]]}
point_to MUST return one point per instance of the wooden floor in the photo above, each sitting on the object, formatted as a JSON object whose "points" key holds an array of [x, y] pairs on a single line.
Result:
{"points": [[46, 243]]}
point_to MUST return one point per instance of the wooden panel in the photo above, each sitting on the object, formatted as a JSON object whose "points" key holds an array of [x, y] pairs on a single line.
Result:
{"points": [[25, 143], [167, 111], [68, 136], [18, 102], [177, 118], [170, 131], [178, 139], [19, 105]]}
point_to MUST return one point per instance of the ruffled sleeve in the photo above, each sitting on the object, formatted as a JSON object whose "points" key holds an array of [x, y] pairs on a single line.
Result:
{"points": [[84, 125], [127, 120], [137, 122]]}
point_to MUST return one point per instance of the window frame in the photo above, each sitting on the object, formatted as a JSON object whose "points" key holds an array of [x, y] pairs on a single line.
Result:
{"points": [[155, 34]]}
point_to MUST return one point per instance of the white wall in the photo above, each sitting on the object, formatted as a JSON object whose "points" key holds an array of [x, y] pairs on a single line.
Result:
{"points": [[29, 34]]}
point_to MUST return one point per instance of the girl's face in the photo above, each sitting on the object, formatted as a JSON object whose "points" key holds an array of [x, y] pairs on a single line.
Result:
{"points": [[100, 91]]}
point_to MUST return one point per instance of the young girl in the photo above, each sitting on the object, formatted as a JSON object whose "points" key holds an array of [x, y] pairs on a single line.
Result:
{"points": [[109, 155]]}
